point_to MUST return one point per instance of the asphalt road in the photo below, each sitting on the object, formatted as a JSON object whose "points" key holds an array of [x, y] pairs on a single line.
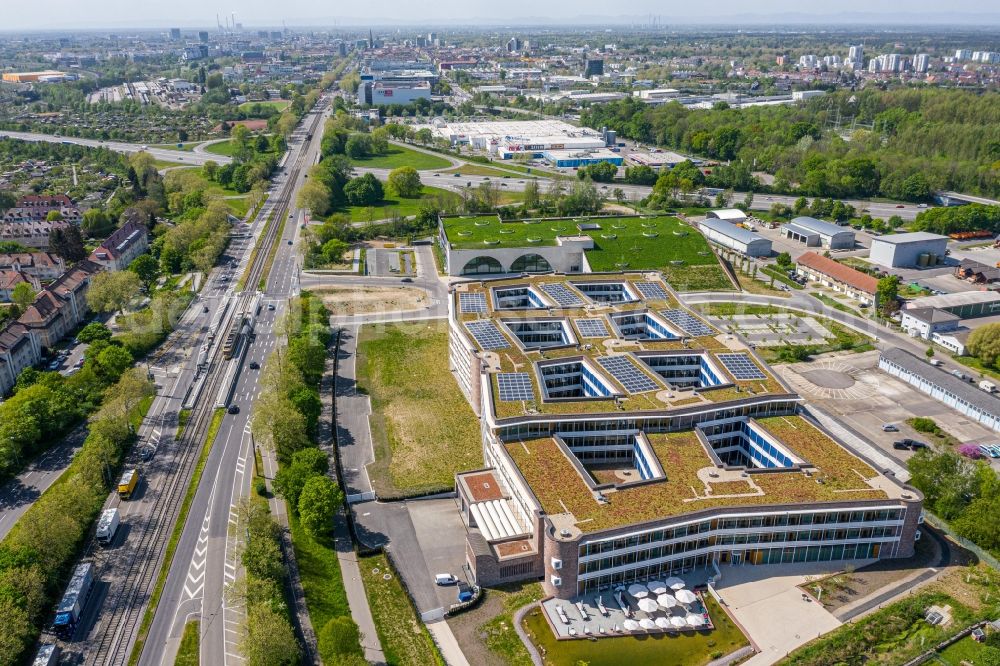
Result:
{"points": [[206, 560], [187, 157]]}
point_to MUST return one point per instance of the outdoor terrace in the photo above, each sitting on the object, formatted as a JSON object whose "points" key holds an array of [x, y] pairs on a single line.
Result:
{"points": [[693, 481]]}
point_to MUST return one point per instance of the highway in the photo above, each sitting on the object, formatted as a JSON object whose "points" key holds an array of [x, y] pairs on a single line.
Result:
{"points": [[166, 154], [206, 560]]}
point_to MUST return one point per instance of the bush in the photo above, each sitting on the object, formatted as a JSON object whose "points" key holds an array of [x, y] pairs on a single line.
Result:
{"points": [[338, 638], [924, 424]]}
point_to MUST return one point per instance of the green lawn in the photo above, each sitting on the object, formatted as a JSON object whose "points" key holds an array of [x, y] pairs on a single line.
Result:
{"points": [[279, 104], [404, 638], [180, 146], [477, 170], [423, 430], [319, 571], [630, 243], [189, 652], [239, 206], [965, 650], [401, 156], [394, 205], [498, 633], [221, 148], [684, 649]]}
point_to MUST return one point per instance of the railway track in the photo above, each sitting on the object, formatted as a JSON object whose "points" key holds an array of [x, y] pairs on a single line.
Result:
{"points": [[123, 612]]}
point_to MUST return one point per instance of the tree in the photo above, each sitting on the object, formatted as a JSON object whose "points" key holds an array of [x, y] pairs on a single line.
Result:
{"points": [[602, 172], [67, 242], [94, 331], [315, 196], [424, 136], [54, 216], [887, 293], [146, 268], [210, 169], [318, 504], [22, 295], [929, 352], [112, 362], [291, 479], [112, 291], [333, 250], [783, 259], [405, 182], [984, 343], [269, 640], [96, 223], [340, 636], [365, 190]]}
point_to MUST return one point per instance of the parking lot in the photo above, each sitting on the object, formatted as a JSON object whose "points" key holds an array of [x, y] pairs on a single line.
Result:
{"points": [[853, 390]]}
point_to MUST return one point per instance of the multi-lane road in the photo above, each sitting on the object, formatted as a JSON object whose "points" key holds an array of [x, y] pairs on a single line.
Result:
{"points": [[165, 154], [206, 561]]}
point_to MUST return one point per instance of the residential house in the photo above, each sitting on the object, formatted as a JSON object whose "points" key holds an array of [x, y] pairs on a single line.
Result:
{"points": [[62, 305], [19, 349], [42, 266], [835, 275], [30, 234], [121, 247], [10, 279]]}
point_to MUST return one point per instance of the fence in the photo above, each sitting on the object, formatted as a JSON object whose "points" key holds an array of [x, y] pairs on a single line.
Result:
{"points": [[965, 543]]}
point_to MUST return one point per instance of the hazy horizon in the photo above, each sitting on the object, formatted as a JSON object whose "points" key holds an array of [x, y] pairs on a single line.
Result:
{"points": [[49, 15]]}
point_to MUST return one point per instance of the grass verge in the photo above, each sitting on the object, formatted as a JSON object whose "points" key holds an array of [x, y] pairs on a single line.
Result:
{"points": [[405, 639], [780, 277], [399, 156], [189, 653], [319, 571], [161, 579], [241, 283], [423, 430]]}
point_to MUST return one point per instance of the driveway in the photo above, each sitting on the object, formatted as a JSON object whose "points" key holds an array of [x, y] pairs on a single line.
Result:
{"points": [[768, 604]]}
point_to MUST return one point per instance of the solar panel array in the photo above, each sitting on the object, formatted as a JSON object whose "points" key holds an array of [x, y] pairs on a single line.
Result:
{"points": [[475, 302], [627, 374], [561, 295], [487, 335], [591, 328], [652, 291], [691, 324], [741, 367], [515, 386]]}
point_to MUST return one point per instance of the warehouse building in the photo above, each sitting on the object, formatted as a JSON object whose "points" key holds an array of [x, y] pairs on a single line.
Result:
{"points": [[733, 215], [735, 238], [817, 233], [917, 249], [964, 304], [380, 93], [632, 458], [961, 396], [565, 159], [508, 138]]}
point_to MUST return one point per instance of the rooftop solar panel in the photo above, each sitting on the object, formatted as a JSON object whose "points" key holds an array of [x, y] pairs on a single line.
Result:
{"points": [[515, 386], [487, 335], [561, 295], [741, 367], [591, 328], [475, 302], [652, 290], [627, 374], [685, 320]]}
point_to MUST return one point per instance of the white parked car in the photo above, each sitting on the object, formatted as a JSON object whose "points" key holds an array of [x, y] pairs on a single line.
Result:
{"points": [[445, 579]]}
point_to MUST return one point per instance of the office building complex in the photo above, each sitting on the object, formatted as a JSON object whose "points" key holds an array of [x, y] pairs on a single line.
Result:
{"points": [[626, 439]]}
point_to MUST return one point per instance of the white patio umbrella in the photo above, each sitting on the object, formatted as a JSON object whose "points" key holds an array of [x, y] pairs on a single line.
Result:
{"points": [[657, 586], [646, 623], [638, 591], [686, 596], [666, 600], [675, 583], [630, 625], [647, 605], [662, 622], [695, 620], [677, 621]]}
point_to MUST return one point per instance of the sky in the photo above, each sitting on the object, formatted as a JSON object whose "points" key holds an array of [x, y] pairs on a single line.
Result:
{"points": [[90, 14]]}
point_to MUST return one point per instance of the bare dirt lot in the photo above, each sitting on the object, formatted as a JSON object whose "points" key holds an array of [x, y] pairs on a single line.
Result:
{"points": [[368, 300]]}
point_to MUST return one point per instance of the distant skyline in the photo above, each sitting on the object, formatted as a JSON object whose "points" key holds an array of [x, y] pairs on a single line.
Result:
{"points": [[44, 15]]}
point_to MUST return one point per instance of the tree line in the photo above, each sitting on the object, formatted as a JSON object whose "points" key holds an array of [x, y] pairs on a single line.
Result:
{"points": [[910, 142]]}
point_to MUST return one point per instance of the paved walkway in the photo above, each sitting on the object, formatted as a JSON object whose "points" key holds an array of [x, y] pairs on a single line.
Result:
{"points": [[356, 598], [446, 640]]}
